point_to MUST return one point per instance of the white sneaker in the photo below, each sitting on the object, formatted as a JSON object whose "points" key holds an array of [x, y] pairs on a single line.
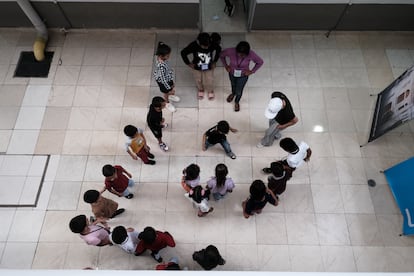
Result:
{"points": [[163, 146], [259, 145], [174, 98], [171, 107]]}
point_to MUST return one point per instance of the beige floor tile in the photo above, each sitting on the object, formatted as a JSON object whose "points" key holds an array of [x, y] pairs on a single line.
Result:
{"points": [[338, 258], [111, 95], [87, 96], [301, 229], [95, 56], [81, 118], [23, 142], [141, 57], [118, 56], [327, 199], [115, 75], [356, 199], [372, 259], [18, 230], [351, 171], [8, 117], [77, 142], [82, 255], [56, 118], [50, 256], [271, 229], [67, 75], [273, 258], [332, 229], [64, 196], [12, 95], [139, 76], [298, 199], [61, 95], [91, 75], [7, 218], [305, 258], [4, 139], [241, 257], [136, 96], [72, 55], [25, 251]]}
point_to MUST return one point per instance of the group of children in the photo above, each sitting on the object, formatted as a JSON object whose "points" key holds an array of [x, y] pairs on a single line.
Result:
{"points": [[218, 185], [95, 230]]}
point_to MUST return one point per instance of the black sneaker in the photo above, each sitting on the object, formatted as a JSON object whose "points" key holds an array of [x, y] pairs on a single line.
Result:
{"points": [[150, 155], [119, 211], [150, 162], [130, 196], [267, 170], [155, 258]]}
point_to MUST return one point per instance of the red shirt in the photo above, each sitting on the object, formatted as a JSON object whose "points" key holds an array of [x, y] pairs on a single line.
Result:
{"points": [[161, 241], [120, 183]]}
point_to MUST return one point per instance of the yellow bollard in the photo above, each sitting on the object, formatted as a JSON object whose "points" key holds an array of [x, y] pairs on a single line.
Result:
{"points": [[39, 49]]}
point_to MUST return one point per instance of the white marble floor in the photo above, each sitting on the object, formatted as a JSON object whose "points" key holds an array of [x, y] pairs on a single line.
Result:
{"points": [[328, 219]]}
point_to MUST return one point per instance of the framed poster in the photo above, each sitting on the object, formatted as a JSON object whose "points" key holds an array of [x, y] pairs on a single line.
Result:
{"points": [[395, 105]]}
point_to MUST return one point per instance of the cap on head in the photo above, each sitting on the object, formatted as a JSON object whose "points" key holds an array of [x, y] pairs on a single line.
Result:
{"points": [[274, 106]]}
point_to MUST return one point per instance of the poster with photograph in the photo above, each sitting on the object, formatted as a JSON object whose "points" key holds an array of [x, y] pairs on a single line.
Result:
{"points": [[395, 105]]}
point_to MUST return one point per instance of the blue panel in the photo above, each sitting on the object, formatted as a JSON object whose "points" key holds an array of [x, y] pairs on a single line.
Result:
{"points": [[401, 181]]}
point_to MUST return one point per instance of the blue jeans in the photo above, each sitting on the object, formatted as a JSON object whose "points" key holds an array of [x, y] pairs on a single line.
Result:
{"points": [[223, 143], [237, 86], [130, 184], [217, 196]]}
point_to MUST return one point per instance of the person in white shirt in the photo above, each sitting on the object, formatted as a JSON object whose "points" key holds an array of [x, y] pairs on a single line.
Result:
{"points": [[199, 197], [126, 238], [298, 154]]}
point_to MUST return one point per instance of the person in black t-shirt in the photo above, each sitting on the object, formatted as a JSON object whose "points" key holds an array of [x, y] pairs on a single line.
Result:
{"points": [[204, 58], [155, 120], [259, 197], [280, 114], [217, 134], [280, 174], [209, 257]]}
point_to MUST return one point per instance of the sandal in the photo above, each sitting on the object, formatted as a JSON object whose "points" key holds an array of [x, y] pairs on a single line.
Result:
{"points": [[200, 95], [211, 95]]}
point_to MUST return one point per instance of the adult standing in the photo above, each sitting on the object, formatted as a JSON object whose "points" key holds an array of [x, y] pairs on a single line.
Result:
{"points": [[237, 63], [205, 55], [280, 114]]}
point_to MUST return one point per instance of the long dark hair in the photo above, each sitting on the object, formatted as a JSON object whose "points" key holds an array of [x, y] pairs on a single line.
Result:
{"points": [[221, 173]]}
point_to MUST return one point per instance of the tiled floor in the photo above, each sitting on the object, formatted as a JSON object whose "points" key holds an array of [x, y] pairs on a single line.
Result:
{"points": [[328, 219]]}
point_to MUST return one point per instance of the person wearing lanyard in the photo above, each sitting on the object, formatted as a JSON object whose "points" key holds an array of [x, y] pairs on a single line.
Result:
{"points": [[237, 63]]}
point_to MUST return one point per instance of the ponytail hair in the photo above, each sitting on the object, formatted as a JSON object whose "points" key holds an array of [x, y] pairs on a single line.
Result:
{"points": [[162, 49], [221, 173]]}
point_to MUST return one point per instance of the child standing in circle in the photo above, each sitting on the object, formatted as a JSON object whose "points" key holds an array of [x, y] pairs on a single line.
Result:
{"points": [[191, 177], [259, 197], [136, 145], [199, 197], [155, 120], [164, 75], [217, 134], [220, 184]]}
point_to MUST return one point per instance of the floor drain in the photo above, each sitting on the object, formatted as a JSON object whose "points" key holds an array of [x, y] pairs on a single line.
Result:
{"points": [[29, 67], [371, 183]]}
